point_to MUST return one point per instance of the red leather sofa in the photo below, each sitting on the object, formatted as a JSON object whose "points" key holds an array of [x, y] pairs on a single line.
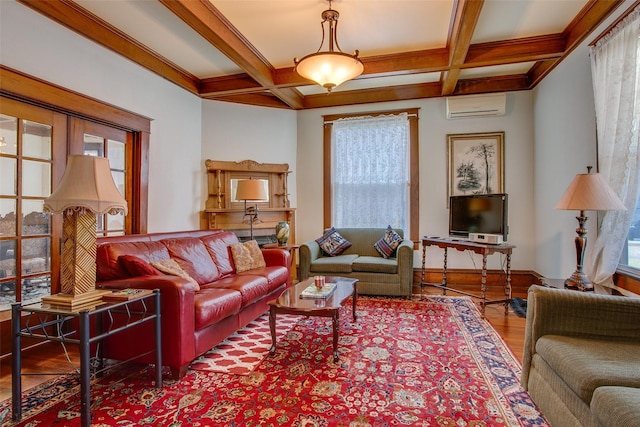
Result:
{"points": [[193, 321]]}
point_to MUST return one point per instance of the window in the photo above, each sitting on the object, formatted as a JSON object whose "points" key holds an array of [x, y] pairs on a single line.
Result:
{"points": [[371, 174], [615, 60]]}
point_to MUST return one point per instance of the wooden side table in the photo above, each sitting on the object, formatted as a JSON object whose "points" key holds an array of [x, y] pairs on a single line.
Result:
{"points": [[552, 283], [479, 248], [292, 251]]}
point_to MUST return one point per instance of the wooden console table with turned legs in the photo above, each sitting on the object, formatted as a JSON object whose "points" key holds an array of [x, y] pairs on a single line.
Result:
{"points": [[479, 248]]}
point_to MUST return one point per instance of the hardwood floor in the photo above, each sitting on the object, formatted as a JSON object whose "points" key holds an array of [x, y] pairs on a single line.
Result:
{"points": [[51, 358]]}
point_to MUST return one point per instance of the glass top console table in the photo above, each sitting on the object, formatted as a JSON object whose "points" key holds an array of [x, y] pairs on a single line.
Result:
{"points": [[45, 322]]}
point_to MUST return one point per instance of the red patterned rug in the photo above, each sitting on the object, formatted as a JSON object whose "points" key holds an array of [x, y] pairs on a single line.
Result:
{"points": [[244, 350], [433, 362]]}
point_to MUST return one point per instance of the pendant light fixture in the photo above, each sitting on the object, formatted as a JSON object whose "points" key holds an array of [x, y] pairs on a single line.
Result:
{"points": [[331, 67]]}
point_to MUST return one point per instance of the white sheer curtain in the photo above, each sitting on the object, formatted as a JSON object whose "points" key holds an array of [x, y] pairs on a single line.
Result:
{"points": [[370, 169], [615, 65]]}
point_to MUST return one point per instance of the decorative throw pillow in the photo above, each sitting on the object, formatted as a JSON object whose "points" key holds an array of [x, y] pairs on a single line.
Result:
{"points": [[170, 266], [247, 256], [137, 266], [332, 243], [388, 243]]}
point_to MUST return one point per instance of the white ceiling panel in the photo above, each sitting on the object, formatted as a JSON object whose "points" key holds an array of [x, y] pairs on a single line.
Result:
{"points": [[496, 70], [511, 19], [153, 25], [283, 30]]}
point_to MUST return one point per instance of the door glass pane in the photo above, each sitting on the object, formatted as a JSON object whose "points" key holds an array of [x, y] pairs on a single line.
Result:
{"points": [[116, 154], [118, 178], [36, 140], [7, 258], [7, 294], [8, 135], [115, 222], [8, 179], [36, 255], [93, 145], [7, 217], [36, 178], [35, 221], [34, 288]]}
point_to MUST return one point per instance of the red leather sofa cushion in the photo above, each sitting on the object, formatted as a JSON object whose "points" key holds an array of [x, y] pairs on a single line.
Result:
{"points": [[109, 268], [136, 266], [275, 276], [218, 247], [192, 255], [252, 288], [214, 304]]}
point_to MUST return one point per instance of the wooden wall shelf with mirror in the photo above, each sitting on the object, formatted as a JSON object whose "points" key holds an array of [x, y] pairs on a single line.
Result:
{"points": [[223, 211]]}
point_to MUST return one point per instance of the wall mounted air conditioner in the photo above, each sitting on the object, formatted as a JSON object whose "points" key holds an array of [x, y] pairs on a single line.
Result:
{"points": [[492, 104]]}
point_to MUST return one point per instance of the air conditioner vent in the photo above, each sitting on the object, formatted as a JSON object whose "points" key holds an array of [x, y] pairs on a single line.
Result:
{"points": [[476, 105]]}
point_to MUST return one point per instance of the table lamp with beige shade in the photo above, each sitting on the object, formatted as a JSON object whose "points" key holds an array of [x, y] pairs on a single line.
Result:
{"points": [[587, 192], [251, 190], [86, 190]]}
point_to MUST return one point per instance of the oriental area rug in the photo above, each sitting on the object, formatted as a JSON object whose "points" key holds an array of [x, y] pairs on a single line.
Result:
{"points": [[429, 362]]}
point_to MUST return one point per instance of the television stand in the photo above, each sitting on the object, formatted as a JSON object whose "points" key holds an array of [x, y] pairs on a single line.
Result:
{"points": [[483, 249]]}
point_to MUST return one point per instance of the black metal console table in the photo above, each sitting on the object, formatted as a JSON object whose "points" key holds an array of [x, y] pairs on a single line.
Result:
{"points": [[53, 323]]}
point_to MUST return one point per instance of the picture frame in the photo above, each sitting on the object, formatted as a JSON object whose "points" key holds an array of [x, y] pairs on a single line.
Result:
{"points": [[475, 163]]}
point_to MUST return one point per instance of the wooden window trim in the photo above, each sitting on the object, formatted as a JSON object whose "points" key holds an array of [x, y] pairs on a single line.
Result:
{"points": [[414, 175], [29, 89]]}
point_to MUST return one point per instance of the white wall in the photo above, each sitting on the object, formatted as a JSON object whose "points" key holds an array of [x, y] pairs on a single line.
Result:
{"points": [[433, 129], [235, 132], [565, 143], [60, 56]]}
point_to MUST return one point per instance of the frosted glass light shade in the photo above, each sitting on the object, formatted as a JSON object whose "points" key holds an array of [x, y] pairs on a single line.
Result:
{"points": [[329, 69]]}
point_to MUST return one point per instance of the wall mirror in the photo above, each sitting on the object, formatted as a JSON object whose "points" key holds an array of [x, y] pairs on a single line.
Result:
{"points": [[234, 186]]}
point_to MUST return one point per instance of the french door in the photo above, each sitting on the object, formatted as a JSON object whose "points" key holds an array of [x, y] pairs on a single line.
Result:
{"points": [[32, 157], [34, 144]]}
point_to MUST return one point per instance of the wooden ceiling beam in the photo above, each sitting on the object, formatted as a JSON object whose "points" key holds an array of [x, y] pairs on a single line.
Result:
{"points": [[259, 99], [366, 96], [207, 21], [88, 25], [463, 25], [492, 84], [527, 49]]}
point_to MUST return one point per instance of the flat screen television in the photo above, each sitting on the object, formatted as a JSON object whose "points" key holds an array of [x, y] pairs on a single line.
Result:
{"points": [[479, 213]]}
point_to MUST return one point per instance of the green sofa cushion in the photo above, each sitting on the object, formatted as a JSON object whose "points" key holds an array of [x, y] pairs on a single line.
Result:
{"points": [[586, 363], [336, 264], [616, 406], [375, 264]]}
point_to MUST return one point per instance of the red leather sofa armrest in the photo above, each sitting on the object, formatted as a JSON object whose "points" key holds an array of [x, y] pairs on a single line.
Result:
{"points": [[177, 313], [276, 256]]}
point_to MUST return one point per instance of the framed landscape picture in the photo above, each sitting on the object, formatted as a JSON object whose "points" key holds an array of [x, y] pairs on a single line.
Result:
{"points": [[476, 163]]}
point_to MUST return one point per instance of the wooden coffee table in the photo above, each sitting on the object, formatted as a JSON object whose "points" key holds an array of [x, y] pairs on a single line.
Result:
{"points": [[289, 302]]}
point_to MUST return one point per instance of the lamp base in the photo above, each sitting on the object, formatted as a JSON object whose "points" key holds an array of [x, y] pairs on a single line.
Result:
{"points": [[579, 282], [75, 301]]}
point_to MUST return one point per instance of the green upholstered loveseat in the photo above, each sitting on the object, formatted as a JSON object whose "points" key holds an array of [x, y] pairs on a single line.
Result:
{"points": [[376, 275], [581, 360]]}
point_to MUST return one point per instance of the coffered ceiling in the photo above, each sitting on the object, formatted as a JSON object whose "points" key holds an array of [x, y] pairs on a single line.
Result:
{"points": [[242, 50]]}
